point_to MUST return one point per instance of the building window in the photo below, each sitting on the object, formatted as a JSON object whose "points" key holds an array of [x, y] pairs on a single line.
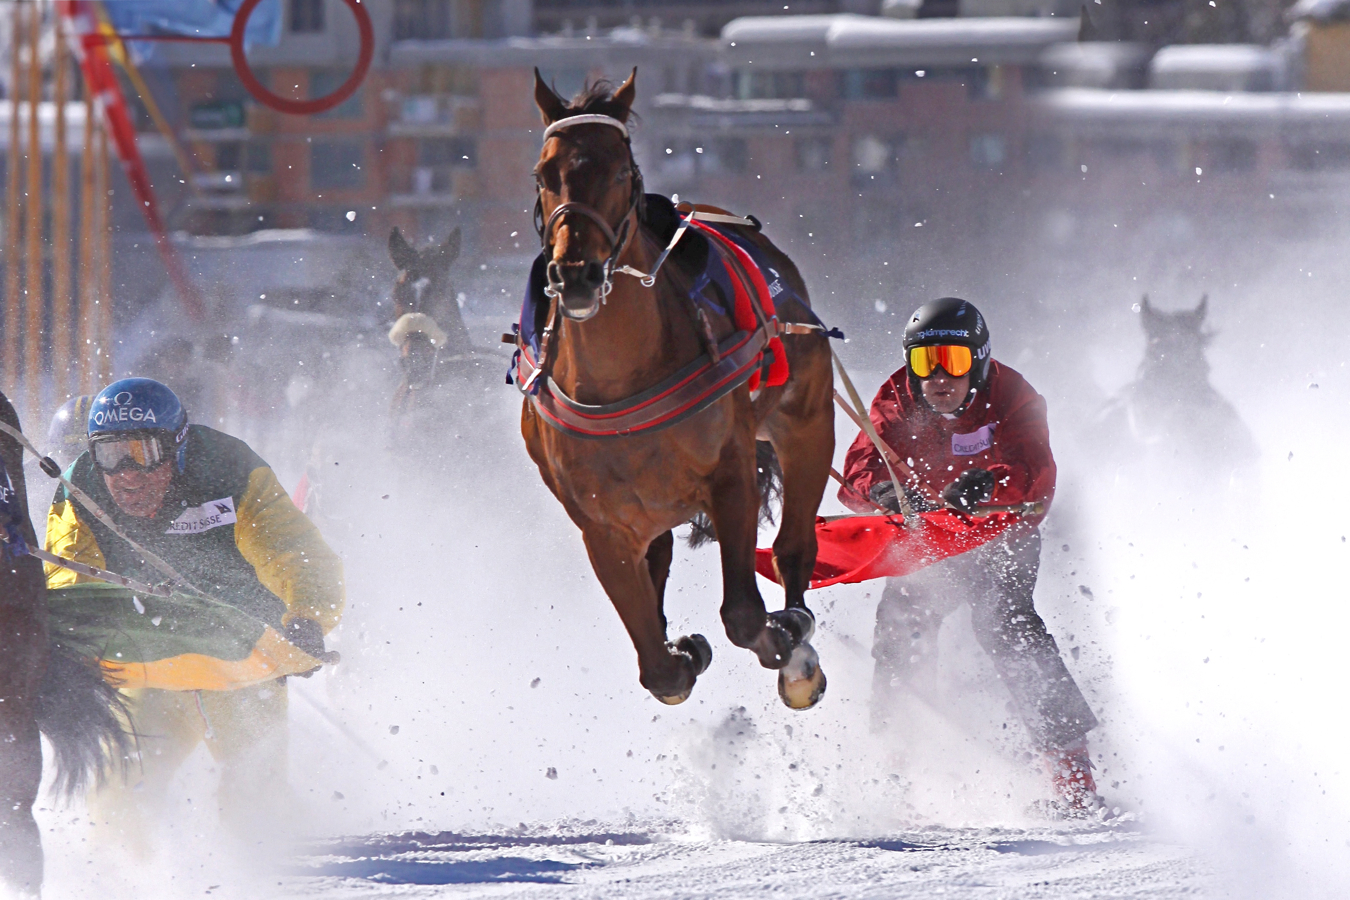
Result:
{"points": [[229, 156], [869, 84], [423, 20], [306, 16], [988, 151], [323, 82], [751, 85], [258, 158], [813, 154], [336, 164], [724, 156]]}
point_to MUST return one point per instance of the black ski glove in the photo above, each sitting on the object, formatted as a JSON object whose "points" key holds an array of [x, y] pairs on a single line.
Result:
{"points": [[306, 635], [883, 494], [973, 487]]}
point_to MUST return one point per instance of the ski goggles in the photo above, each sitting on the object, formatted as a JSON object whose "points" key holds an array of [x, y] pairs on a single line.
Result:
{"points": [[955, 360], [117, 455]]}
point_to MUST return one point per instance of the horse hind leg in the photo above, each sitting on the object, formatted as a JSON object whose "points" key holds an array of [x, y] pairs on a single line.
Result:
{"points": [[625, 569], [801, 431], [734, 511]]}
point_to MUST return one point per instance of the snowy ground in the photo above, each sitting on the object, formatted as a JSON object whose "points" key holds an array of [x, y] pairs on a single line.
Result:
{"points": [[582, 862], [485, 733]]}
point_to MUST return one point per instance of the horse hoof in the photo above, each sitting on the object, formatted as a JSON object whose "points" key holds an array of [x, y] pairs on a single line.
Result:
{"points": [[801, 683], [697, 648], [798, 621], [774, 645], [674, 699]]}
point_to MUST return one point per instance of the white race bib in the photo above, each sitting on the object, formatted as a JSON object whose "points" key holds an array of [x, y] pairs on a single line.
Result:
{"points": [[974, 443], [196, 519]]}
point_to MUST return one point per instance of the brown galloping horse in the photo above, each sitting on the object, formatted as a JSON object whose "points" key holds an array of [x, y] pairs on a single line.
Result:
{"points": [[46, 687], [616, 339]]}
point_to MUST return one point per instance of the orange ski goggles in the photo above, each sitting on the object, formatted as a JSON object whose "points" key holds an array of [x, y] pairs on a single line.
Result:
{"points": [[955, 360]]}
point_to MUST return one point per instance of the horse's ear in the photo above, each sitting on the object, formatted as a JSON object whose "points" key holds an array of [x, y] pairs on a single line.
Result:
{"points": [[449, 250], [400, 251], [1144, 308], [1202, 310], [625, 95], [551, 106]]}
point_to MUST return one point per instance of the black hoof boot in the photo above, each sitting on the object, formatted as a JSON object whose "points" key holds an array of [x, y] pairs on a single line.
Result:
{"points": [[697, 648], [797, 621]]}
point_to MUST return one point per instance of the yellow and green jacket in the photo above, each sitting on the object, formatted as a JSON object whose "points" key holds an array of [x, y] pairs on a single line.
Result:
{"points": [[226, 526]]}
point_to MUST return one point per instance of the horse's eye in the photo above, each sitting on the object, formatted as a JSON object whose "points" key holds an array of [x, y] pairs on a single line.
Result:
{"points": [[624, 175]]}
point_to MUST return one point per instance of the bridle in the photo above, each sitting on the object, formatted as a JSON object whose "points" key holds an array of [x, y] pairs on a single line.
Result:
{"points": [[618, 240]]}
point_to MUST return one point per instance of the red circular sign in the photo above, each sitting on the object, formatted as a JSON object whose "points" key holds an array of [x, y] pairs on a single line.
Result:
{"points": [[302, 107]]}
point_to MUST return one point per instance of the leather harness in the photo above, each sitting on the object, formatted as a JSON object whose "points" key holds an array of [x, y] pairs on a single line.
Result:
{"points": [[723, 366]]}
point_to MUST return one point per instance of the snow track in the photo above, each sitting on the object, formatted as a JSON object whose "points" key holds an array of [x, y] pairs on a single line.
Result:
{"points": [[662, 862]]}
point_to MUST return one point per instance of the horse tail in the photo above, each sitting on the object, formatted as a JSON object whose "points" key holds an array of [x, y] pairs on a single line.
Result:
{"points": [[82, 716], [769, 480]]}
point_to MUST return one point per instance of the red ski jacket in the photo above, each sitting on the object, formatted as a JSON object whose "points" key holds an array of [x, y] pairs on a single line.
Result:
{"points": [[1003, 429]]}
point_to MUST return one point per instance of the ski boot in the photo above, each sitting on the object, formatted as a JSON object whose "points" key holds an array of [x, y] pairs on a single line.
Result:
{"points": [[1075, 790]]}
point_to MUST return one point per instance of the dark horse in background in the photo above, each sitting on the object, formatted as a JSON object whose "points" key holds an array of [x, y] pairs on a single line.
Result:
{"points": [[614, 340], [46, 686], [445, 381], [1170, 417]]}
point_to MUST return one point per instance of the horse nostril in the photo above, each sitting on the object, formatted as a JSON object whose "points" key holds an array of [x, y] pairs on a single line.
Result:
{"points": [[554, 272], [593, 275]]}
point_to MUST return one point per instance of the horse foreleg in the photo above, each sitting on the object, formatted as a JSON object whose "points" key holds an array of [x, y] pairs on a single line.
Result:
{"points": [[734, 510], [660, 553], [623, 566]]}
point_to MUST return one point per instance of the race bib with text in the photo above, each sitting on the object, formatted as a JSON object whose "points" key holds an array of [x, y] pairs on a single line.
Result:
{"points": [[196, 519], [974, 443]]}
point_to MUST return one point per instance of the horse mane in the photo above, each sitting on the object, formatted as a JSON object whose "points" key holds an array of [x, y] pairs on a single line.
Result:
{"points": [[596, 98]]}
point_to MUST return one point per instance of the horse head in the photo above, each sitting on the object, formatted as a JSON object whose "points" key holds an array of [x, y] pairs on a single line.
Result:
{"points": [[426, 312], [1175, 343], [423, 284], [589, 190]]}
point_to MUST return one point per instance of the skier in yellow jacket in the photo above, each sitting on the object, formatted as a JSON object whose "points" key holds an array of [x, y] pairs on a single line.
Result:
{"points": [[206, 504]]}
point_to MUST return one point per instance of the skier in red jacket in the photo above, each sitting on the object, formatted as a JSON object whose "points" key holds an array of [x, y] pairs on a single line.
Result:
{"points": [[971, 431]]}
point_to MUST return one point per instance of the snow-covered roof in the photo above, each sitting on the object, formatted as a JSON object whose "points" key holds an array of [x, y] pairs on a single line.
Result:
{"points": [[1320, 10], [1216, 67], [719, 114], [629, 45], [1139, 113], [853, 41]]}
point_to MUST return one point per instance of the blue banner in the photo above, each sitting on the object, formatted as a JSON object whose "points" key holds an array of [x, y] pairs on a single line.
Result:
{"points": [[198, 18]]}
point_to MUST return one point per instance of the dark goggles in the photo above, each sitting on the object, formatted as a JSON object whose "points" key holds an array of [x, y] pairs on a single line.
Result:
{"points": [[112, 455], [954, 359]]}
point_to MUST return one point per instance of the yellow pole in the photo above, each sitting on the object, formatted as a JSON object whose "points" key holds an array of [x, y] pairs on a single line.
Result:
{"points": [[61, 311], [33, 299], [84, 305], [9, 354], [105, 301]]}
